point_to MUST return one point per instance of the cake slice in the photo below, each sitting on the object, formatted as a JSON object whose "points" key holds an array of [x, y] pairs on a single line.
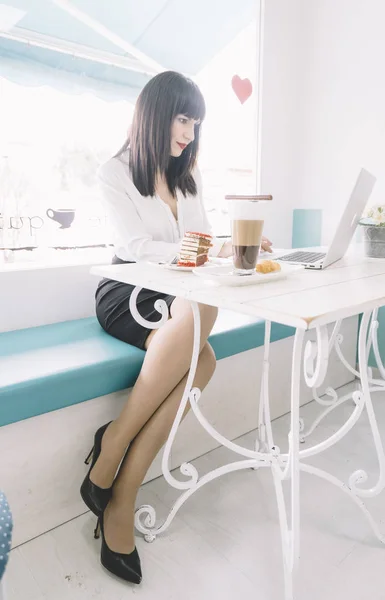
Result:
{"points": [[194, 249]]}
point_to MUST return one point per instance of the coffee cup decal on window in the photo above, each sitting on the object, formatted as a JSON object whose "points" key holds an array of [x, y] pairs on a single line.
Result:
{"points": [[63, 216]]}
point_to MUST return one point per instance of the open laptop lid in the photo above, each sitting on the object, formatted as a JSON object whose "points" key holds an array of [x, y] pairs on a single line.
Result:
{"points": [[351, 215]]}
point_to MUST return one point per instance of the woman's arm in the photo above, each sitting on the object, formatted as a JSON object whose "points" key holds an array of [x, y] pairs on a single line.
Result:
{"points": [[129, 230]]}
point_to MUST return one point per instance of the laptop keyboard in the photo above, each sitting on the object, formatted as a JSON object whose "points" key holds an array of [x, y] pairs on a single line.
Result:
{"points": [[303, 257]]}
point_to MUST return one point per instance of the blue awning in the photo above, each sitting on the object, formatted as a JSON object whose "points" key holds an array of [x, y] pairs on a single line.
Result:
{"points": [[39, 66], [177, 34]]}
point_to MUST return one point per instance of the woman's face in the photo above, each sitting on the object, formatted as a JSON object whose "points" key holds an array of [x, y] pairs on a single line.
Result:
{"points": [[182, 134]]}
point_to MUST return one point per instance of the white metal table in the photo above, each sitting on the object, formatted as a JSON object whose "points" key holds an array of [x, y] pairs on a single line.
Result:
{"points": [[306, 300]]}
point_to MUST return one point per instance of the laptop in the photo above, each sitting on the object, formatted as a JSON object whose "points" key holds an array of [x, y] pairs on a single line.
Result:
{"points": [[344, 232]]}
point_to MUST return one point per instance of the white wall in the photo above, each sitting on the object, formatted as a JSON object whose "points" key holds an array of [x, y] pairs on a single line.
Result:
{"points": [[33, 297], [342, 102], [323, 106], [282, 114]]}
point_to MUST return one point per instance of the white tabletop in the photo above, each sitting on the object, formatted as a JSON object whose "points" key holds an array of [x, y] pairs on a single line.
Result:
{"points": [[306, 299]]}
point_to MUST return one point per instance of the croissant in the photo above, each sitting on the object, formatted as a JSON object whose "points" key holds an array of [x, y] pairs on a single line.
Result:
{"points": [[267, 266]]}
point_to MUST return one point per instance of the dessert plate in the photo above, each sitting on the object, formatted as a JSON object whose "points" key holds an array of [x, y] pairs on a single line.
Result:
{"points": [[224, 275], [212, 261], [174, 267]]}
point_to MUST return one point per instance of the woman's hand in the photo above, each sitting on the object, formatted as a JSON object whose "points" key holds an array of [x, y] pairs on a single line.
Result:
{"points": [[227, 248], [266, 245]]}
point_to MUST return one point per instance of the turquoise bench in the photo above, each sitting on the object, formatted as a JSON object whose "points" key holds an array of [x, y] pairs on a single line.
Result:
{"points": [[53, 366]]}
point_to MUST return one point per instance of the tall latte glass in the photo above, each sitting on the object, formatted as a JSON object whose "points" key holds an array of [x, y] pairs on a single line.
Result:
{"points": [[247, 220]]}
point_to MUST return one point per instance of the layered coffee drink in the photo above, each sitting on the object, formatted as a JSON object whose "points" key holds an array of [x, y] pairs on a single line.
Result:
{"points": [[246, 239], [247, 215]]}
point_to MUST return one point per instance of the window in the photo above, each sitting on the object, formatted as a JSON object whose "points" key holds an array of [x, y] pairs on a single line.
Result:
{"points": [[51, 146], [228, 158]]}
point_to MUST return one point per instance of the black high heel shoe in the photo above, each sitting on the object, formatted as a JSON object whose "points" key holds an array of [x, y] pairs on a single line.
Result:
{"points": [[125, 566], [95, 497]]}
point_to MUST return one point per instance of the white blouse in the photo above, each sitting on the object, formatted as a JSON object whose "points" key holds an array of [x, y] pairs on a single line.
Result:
{"points": [[144, 227]]}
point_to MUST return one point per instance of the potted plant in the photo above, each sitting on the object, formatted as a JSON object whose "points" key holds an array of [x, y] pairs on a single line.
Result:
{"points": [[373, 227]]}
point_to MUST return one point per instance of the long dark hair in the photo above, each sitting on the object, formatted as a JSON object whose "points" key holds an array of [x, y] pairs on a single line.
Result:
{"points": [[149, 141]]}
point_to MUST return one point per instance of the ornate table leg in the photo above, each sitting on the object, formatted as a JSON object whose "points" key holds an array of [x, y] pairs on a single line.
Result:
{"points": [[362, 400], [265, 434], [335, 401], [148, 526], [290, 471], [145, 516], [288, 466]]}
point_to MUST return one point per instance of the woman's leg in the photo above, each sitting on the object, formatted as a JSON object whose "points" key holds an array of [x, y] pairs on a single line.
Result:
{"points": [[119, 515], [167, 361]]}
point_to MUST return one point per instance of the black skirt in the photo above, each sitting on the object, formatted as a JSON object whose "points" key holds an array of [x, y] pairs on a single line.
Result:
{"points": [[113, 310]]}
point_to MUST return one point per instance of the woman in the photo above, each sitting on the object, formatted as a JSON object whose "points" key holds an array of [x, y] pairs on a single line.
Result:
{"points": [[153, 194]]}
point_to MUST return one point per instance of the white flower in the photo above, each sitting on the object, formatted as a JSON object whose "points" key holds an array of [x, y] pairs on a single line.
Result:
{"points": [[379, 218], [376, 214]]}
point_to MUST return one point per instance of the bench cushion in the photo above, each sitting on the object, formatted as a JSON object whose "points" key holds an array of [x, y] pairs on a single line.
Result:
{"points": [[52, 366]]}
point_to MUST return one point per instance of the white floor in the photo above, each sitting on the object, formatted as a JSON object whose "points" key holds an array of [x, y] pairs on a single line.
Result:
{"points": [[225, 543]]}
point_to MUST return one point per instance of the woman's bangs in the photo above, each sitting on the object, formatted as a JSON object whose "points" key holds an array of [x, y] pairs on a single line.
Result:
{"points": [[191, 103]]}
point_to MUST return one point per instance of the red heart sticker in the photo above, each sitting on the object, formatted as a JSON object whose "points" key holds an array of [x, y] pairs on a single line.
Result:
{"points": [[242, 88]]}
